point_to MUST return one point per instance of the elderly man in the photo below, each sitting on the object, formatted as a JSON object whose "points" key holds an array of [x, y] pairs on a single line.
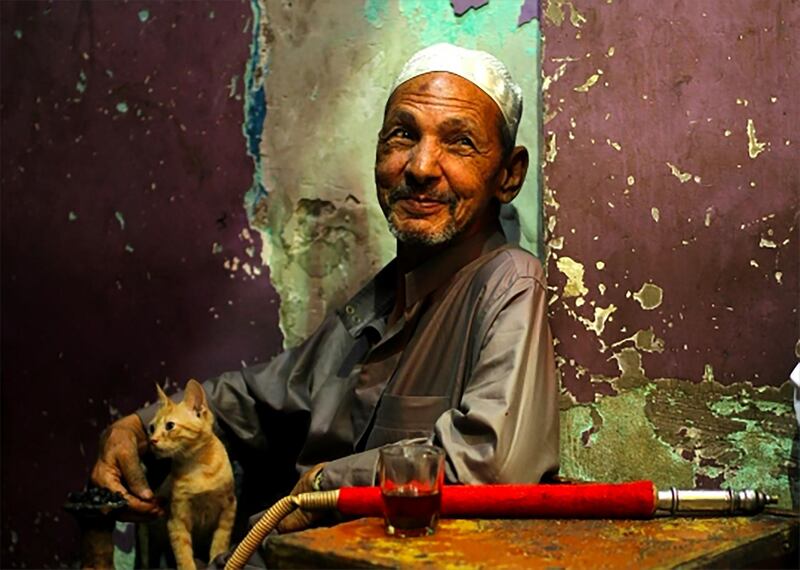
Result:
{"points": [[448, 343]]}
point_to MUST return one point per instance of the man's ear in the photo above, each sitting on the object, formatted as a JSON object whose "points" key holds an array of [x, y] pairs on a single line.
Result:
{"points": [[514, 172]]}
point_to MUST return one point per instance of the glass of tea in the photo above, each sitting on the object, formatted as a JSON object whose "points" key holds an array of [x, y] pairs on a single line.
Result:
{"points": [[411, 477]]}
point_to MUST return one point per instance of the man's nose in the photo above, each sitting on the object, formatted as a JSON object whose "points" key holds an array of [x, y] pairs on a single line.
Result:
{"points": [[423, 167]]}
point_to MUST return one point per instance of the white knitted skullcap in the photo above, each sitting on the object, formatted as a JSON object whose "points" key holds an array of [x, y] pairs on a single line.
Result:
{"points": [[479, 67]]}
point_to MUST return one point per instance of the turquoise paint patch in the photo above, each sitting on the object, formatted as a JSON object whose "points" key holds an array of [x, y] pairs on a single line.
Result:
{"points": [[776, 408], [727, 406], [144, 15], [490, 26], [18, 34], [255, 110], [375, 12], [122, 107]]}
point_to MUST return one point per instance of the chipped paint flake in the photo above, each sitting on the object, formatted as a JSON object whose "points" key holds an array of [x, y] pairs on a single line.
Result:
{"points": [[649, 296], [767, 243], [631, 180], [645, 340], [122, 107], [601, 315], [708, 216], [708, 373], [574, 272], [80, 86], [753, 263], [552, 149], [615, 145], [591, 81], [655, 214], [554, 11], [120, 219], [754, 146], [72, 216], [600, 265], [682, 176], [779, 277], [557, 74], [144, 15]]}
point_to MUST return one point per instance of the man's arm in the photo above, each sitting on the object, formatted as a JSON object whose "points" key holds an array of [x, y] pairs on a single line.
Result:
{"points": [[247, 405], [506, 428]]}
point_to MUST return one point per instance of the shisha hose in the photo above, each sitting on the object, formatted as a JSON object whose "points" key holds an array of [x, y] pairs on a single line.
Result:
{"points": [[635, 500]]}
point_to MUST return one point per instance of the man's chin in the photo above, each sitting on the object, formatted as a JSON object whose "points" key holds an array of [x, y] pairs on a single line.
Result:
{"points": [[420, 235]]}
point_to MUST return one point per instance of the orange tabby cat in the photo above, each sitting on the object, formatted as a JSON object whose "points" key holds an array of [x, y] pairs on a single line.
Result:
{"points": [[202, 494]]}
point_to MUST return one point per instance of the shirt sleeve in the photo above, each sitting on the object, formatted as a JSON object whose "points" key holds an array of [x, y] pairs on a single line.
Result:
{"points": [[272, 398], [506, 427]]}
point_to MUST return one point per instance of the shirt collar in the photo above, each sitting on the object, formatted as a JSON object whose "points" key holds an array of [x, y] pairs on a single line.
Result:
{"points": [[376, 299], [435, 272]]}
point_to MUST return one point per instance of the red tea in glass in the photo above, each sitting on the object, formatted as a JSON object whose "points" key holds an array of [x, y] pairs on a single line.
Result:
{"points": [[411, 512], [411, 477]]}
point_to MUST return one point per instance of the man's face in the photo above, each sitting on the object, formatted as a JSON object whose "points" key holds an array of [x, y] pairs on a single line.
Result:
{"points": [[439, 159]]}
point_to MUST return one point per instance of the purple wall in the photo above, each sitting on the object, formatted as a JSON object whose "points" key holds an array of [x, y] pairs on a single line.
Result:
{"points": [[132, 108]]}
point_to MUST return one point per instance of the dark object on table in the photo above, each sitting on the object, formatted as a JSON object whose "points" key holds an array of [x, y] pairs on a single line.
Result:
{"points": [[94, 502]]}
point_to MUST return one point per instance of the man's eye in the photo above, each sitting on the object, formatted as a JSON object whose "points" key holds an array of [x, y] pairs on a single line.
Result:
{"points": [[399, 132], [465, 141], [169, 425]]}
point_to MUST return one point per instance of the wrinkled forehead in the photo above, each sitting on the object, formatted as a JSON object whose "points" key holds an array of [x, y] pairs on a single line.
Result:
{"points": [[441, 90]]}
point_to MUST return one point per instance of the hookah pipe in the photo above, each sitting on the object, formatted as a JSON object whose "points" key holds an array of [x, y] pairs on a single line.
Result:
{"points": [[635, 500]]}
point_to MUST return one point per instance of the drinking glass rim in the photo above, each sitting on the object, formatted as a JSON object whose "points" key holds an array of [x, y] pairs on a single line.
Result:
{"points": [[396, 449]]}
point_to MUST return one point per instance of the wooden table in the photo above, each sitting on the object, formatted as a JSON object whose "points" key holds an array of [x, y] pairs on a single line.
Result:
{"points": [[763, 541]]}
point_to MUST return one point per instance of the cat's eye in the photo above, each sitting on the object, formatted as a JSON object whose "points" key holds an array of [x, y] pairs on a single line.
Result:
{"points": [[169, 425], [152, 428]]}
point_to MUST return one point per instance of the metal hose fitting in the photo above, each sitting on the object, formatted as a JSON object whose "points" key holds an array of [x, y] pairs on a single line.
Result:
{"points": [[709, 502]]}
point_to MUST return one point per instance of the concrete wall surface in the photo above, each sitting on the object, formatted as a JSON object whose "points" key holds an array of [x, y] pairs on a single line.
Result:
{"points": [[671, 196]]}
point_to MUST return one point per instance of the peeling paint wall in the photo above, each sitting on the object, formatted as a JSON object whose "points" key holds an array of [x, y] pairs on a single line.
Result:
{"points": [[671, 198], [125, 247], [326, 68]]}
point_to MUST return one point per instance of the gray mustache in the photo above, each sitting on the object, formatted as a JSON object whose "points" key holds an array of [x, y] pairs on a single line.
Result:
{"points": [[403, 192]]}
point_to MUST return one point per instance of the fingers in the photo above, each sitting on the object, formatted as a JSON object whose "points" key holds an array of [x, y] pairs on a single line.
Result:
{"points": [[298, 520], [104, 475], [134, 475], [118, 469]]}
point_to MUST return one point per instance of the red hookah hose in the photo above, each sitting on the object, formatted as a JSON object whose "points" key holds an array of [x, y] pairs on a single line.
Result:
{"points": [[591, 500]]}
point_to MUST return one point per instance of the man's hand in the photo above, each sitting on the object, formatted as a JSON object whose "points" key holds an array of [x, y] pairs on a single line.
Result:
{"points": [[300, 519], [118, 468]]}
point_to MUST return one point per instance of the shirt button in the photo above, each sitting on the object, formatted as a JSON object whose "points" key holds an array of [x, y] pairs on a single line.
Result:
{"points": [[349, 309]]}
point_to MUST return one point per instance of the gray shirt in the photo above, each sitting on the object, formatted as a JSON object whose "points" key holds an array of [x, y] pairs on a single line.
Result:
{"points": [[468, 366]]}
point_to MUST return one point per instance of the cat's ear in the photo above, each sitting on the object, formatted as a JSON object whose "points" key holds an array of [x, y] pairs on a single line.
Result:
{"points": [[162, 397], [194, 396]]}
